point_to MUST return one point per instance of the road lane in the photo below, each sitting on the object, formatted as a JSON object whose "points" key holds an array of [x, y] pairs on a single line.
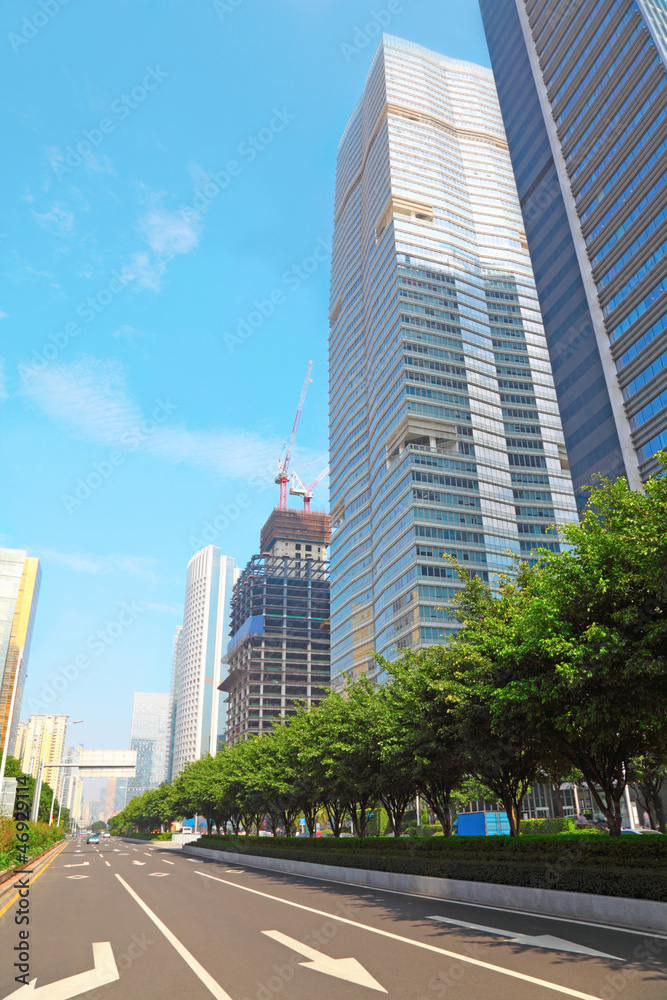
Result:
{"points": [[238, 937]]}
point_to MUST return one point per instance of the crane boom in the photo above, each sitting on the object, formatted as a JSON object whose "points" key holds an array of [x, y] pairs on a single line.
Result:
{"points": [[299, 490], [283, 464]]}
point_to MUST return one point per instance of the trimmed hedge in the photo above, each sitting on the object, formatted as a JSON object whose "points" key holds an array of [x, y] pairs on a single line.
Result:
{"points": [[630, 867], [41, 837]]}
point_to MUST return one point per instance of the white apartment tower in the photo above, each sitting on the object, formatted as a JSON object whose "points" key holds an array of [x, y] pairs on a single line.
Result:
{"points": [[198, 725]]}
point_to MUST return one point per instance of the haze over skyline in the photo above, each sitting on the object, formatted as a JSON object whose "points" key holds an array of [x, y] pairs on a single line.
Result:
{"points": [[159, 306]]}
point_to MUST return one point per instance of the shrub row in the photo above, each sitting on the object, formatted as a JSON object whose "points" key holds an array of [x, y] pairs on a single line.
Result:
{"points": [[625, 852], [626, 882], [41, 837]]}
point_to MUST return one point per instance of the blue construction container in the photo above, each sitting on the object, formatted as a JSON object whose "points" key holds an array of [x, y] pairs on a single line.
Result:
{"points": [[482, 824]]}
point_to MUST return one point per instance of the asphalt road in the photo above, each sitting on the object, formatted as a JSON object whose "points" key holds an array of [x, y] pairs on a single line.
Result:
{"points": [[130, 921]]}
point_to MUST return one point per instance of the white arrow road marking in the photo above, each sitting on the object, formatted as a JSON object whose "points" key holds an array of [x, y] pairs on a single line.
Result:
{"points": [[138, 862], [124, 854], [105, 971], [77, 876], [342, 968], [79, 864], [556, 987], [539, 941], [158, 874], [208, 980]]}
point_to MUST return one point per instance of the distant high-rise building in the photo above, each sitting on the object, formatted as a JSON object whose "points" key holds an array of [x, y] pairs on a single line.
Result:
{"points": [[173, 693], [199, 723], [110, 798], [121, 795], [67, 776], [445, 435], [94, 810], [583, 91], [20, 577], [149, 736], [42, 739], [279, 648], [76, 807]]}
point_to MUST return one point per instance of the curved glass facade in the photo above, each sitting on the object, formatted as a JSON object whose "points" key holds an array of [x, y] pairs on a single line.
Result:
{"points": [[445, 434]]}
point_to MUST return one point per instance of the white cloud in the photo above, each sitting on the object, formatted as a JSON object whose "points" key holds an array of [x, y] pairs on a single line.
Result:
{"points": [[131, 334], [170, 233], [90, 398], [58, 220], [97, 565]]}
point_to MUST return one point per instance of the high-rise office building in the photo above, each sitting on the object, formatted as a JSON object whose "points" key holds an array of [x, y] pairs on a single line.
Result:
{"points": [[42, 739], [583, 91], [149, 736], [20, 577], [173, 693], [278, 653], [76, 808], [444, 426], [199, 722]]}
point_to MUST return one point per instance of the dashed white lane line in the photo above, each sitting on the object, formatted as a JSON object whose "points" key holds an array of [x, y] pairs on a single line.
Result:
{"points": [[147, 853], [468, 960], [208, 980], [107, 864], [168, 862]]}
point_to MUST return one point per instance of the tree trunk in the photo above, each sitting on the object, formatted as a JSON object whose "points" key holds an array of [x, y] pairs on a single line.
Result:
{"points": [[558, 800], [396, 806], [438, 802], [335, 812]]}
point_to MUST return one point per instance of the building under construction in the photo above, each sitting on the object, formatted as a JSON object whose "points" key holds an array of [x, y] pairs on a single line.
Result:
{"points": [[278, 653]]}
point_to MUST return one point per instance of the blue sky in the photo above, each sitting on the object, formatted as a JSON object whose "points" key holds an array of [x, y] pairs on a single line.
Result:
{"points": [[167, 166]]}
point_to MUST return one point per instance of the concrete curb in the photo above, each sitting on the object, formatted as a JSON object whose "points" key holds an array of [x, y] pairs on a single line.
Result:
{"points": [[634, 914]]}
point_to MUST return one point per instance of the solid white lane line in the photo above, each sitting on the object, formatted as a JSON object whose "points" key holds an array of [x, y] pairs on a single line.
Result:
{"points": [[564, 990], [442, 899], [208, 981]]}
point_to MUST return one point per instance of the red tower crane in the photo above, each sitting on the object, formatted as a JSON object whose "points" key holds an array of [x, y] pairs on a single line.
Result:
{"points": [[283, 463], [299, 490]]}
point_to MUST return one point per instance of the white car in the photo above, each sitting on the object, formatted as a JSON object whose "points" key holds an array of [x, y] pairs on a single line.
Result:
{"points": [[106, 835]]}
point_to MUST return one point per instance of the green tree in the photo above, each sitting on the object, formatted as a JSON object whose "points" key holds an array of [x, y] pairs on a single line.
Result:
{"points": [[424, 740], [578, 643]]}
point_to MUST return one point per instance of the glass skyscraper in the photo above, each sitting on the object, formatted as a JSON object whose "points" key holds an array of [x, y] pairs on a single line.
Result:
{"points": [[583, 91], [150, 736], [445, 432]]}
